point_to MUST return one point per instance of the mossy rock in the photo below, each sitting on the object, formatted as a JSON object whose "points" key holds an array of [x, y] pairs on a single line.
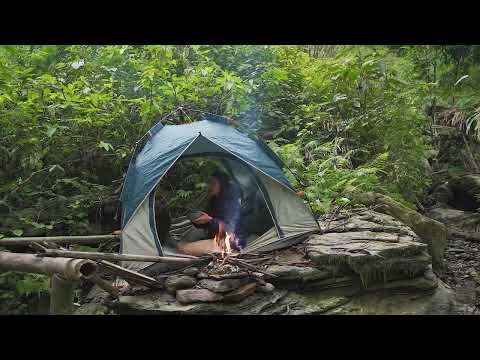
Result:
{"points": [[429, 231]]}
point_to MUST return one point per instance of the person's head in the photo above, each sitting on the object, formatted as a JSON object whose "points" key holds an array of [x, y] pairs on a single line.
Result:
{"points": [[218, 183]]}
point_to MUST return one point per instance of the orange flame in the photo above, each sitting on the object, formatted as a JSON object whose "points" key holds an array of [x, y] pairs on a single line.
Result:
{"points": [[223, 240]]}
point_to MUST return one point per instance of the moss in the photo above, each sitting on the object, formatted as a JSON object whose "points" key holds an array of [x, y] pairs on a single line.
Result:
{"points": [[430, 231], [375, 268]]}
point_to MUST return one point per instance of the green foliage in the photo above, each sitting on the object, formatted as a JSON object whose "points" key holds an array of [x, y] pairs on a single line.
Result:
{"points": [[350, 113], [339, 116], [23, 283]]}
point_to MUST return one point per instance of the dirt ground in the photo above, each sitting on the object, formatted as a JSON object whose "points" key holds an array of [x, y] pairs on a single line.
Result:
{"points": [[462, 273]]}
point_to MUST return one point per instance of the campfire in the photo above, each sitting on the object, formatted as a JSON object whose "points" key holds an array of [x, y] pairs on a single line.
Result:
{"points": [[224, 239]]}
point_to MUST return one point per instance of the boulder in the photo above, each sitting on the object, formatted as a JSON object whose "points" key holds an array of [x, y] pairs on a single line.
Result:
{"points": [[430, 231], [440, 301], [467, 221], [466, 192], [371, 255]]}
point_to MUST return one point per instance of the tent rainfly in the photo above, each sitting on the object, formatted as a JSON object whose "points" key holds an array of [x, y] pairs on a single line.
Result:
{"points": [[250, 162]]}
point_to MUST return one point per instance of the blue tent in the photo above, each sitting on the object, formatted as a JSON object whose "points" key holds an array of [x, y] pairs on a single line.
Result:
{"points": [[250, 161]]}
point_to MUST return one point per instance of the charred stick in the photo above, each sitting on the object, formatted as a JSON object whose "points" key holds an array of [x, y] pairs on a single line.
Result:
{"points": [[240, 263]]}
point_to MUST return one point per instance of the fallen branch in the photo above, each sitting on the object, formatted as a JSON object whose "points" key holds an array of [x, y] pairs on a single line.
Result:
{"points": [[92, 239], [116, 257], [130, 275]]}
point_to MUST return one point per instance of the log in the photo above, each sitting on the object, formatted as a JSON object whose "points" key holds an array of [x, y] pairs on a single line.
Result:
{"points": [[116, 257], [61, 295], [70, 269], [91, 239]]}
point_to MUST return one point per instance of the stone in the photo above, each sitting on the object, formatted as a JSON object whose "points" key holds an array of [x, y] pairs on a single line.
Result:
{"points": [[93, 309], [429, 231], [197, 295], [222, 286], [298, 273], [466, 221], [363, 243], [267, 288], [439, 302], [156, 303], [311, 303], [241, 293], [178, 282], [191, 271], [371, 255]]}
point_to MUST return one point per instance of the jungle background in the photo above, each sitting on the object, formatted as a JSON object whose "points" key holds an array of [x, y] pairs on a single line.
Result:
{"points": [[398, 120]]}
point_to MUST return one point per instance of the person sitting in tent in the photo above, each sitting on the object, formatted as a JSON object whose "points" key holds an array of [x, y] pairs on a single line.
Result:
{"points": [[222, 216]]}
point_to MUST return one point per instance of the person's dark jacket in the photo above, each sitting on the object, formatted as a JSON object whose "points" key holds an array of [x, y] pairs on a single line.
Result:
{"points": [[227, 208]]}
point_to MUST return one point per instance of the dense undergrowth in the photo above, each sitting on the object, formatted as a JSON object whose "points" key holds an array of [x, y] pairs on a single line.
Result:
{"points": [[364, 116]]}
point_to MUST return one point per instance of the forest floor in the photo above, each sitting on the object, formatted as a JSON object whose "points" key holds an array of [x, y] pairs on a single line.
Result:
{"points": [[462, 273]]}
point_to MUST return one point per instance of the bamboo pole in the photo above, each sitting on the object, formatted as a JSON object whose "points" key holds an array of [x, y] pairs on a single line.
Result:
{"points": [[70, 269], [90, 239], [61, 295], [116, 257]]}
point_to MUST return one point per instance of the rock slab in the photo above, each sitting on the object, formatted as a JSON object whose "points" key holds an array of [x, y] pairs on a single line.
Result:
{"points": [[197, 296], [222, 286], [178, 282]]}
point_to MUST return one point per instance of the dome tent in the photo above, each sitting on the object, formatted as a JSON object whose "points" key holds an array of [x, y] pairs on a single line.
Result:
{"points": [[251, 163]]}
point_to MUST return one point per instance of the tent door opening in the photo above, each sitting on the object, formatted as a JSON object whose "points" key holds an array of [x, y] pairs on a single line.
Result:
{"points": [[256, 212]]}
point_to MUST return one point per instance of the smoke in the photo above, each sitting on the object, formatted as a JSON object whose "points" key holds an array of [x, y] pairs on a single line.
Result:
{"points": [[250, 120]]}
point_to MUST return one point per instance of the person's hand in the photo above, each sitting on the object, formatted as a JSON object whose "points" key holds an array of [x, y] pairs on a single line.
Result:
{"points": [[203, 219]]}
